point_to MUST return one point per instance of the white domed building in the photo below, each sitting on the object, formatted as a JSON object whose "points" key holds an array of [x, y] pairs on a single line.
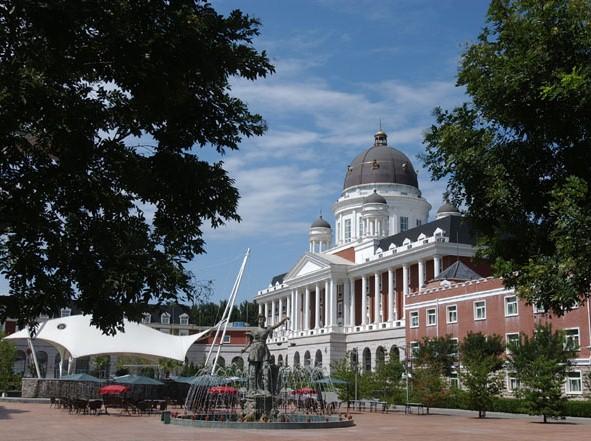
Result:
{"points": [[347, 294]]}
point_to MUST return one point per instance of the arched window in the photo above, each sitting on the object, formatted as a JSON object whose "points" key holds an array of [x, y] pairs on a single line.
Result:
{"points": [[318, 359], [280, 360], [307, 359], [221, 362], [286, 361], [354, 359], [56, 365], [42, 359], [394, 353], [366, 360], [20, 362], [238, 362], [296, 359], [380, 357], [82, 365]]}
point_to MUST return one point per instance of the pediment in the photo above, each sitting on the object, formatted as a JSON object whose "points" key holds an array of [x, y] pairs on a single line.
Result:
{"points": [[306, 265]]}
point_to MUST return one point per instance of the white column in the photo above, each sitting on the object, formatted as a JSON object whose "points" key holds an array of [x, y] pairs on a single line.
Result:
{"points": [[404, 288], [260, 308], [364, 300], [317, 307], [326, 305], [333, 303], [352, 303], [376, 299], [421, 274], [354, 226], [272, 312], [436, 265], [280, 308], [296, 310], [346, 301], [307, 309], [390, 295]]}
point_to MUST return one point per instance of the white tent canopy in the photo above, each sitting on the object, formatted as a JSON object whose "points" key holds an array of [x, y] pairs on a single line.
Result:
{"points": [[76, 335]]}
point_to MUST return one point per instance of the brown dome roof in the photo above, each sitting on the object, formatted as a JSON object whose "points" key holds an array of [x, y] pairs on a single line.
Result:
{"points": [[381, 164]]}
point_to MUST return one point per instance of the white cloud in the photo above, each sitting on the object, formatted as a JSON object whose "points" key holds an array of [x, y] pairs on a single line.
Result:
{"points": [[272, 200]]}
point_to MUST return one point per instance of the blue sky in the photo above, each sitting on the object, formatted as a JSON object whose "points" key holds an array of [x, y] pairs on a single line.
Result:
{"points": [[342, 65]]}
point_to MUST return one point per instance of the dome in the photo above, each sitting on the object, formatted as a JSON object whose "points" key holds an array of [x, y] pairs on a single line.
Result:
{"points": [[447, 208], [320, 223], [381, 164], [375, 198]]}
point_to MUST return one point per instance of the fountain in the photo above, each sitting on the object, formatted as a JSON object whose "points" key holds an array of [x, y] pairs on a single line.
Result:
{"points": [[265, 396]]}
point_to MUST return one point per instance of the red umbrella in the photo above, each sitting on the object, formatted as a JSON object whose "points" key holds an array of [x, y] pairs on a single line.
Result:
{"points": [[113, 389], [227, 390], [303, 391]]}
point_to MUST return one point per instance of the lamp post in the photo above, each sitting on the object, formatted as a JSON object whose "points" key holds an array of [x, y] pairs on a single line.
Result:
{"points": [[407, 373], [356, 366]]}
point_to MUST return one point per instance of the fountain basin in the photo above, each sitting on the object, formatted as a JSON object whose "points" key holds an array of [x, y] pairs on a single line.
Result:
{"points": [[287, 422]]}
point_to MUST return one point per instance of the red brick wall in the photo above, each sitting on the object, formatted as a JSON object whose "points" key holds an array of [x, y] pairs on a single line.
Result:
{"points": [[348, 254], [496, 322]]}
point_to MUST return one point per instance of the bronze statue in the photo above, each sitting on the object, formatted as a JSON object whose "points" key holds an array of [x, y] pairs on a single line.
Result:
{"points": [[259, 358]]}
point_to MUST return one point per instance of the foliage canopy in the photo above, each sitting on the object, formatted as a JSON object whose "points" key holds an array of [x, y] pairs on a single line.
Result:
{"points": [[518, 155], [103, 107]]}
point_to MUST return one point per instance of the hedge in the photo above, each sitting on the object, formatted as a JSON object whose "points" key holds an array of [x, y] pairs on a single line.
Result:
{"points": [[457, 399]]}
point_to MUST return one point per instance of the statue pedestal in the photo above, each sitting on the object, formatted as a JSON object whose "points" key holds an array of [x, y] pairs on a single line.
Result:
{"points": [[257, 407]]}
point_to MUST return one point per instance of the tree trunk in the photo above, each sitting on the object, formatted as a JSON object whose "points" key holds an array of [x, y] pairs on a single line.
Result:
{"points": [[545, 419]]}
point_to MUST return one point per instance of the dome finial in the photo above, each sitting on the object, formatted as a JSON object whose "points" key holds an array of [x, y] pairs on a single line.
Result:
{"points": [[380, 137]]}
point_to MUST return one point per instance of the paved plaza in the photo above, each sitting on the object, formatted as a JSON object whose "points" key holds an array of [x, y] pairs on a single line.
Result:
{"points": [[38, 422]]}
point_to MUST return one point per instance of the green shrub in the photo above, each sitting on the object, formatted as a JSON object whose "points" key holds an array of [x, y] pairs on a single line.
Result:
{"points": [[578, 408]]}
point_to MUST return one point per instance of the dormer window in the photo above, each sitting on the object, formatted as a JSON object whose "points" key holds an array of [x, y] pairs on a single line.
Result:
{"points": [[165, 318], [65, 312], [146, 318], [184, 319]]}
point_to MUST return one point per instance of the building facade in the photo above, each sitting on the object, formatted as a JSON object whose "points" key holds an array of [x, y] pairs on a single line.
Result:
{"points": [[383, 278]]}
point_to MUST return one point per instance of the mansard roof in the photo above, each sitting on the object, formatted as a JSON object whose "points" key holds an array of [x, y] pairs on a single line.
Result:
{"points": [[456, 228], [458, 271], [278, 279]]}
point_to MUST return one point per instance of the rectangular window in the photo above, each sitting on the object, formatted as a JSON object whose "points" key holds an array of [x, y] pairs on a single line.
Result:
{"points": [[511, 306], [65, 312], [227, 338], [572, 339], [419, 222], [165, 319], [510, 339], [574, 383], [454, 381], [184, 320], [414, 319], [431, 317], [340, 310], [513, 383], [146, 318], [414, 348], [403, 223], [480, 310], [455, 342], [538, 309], [347, 230], [452, 314]]}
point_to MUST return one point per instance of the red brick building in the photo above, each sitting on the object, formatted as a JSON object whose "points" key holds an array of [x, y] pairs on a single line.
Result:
{"points": [[459, 301]]}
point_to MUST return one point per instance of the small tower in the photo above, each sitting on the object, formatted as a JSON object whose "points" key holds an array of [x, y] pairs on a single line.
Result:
{"points": [[446, 210], [319, 236], [375, 216]]}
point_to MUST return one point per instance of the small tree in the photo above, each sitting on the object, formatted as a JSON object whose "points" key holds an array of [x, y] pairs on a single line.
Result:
{"points": [[481, 358], [7, 357], [434, 360], [387, 379], [541, 364]]}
